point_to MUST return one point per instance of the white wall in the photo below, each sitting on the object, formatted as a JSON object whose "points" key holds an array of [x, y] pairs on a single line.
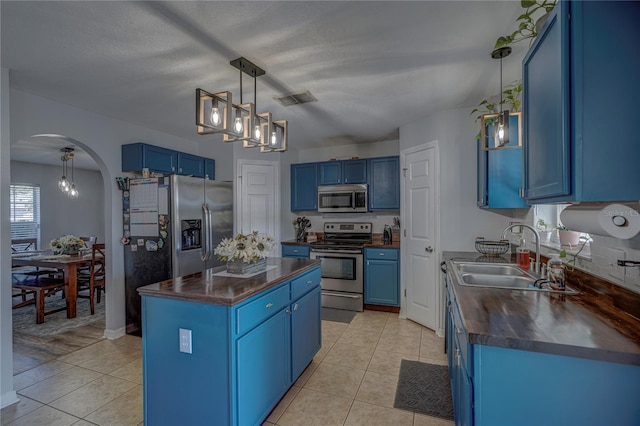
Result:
{"points": [[60, 215], [461, 220]]}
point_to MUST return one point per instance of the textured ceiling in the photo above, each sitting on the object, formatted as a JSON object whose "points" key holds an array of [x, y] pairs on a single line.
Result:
{"points": [[373, 66]]}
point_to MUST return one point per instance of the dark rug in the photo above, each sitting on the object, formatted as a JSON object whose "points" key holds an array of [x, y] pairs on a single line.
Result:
{"points": [[424, 388], [24, 319], [337, 315]]}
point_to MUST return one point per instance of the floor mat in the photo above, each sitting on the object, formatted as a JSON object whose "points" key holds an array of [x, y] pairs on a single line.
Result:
{"points": [[337, 315], [424, 388]]}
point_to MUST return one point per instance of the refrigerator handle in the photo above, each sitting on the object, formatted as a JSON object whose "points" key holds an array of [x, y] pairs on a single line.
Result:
{"points": [[210, 247], [205, 253]]}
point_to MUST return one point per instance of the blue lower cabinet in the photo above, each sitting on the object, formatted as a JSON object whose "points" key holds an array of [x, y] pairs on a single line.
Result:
{"points": [[244, 357], [294, 250], [381, 277]]}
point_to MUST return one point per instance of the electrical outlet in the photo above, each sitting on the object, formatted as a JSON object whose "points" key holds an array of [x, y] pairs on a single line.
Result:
{"points": [[613, 255], [185, 341]]}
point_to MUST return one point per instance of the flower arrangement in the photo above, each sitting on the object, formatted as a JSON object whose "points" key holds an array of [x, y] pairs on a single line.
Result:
{"points": [[66, 244], [248, 248]]}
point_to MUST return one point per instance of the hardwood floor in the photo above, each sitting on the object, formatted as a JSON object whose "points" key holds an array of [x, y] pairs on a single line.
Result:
{"points": [[31, 351]]}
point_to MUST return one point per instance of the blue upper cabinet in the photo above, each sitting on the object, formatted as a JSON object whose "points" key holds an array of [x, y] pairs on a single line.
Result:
{"points": [[137, 156], [330, 173], [209, 169], [580, 89], [384, 183], [500, 172], [304, 187], [190, 165], [354, 171]]}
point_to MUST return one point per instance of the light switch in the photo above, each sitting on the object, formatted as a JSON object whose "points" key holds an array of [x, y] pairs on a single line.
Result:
{"points": [[185, 341]]}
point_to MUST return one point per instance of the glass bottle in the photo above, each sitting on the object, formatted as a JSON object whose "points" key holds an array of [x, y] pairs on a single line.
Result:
{"points": [[523, 258]]}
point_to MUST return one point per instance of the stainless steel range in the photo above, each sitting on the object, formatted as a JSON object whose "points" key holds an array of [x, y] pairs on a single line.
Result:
{"points": [[342, 263]]}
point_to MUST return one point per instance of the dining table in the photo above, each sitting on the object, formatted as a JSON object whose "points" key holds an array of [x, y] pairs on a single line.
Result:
{"points": [[68, 264]]}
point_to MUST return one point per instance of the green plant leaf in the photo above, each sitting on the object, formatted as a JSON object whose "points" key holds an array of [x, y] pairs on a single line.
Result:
{"points": [[563, 253], [523, 16], [516, 105], [527, 3], [483, 102], [501, 41], [474, 110]]}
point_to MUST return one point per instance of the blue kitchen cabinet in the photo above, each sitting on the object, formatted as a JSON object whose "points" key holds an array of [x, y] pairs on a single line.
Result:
{"points": [[329, 173], [138, 156], [579, 93], [190, 165], [342, 172], [244, 357], [297, 251], [384, 183], [500, 173], [209, 169], [354, 171], [304, 187], [381, 277]]}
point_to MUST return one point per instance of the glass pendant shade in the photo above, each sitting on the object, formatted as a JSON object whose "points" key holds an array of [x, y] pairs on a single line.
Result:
{"points": [[73, 192], [63, 184], [213, 112], [275, 140]]}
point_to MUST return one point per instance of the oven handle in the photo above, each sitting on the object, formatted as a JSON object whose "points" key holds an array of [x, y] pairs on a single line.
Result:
{"points": [[336, 251], [348, 296]]}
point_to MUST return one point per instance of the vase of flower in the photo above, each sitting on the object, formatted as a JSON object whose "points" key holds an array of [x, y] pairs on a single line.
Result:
{"points": [[68, 244], [245, 253]]}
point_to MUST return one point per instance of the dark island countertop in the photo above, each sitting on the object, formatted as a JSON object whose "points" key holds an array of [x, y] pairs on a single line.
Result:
{"points": [[572, 325], [207, 287]]}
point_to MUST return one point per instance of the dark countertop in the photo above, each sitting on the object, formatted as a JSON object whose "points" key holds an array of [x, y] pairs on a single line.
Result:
{"points": [[376, 243], [581, 325], [205, 287]]}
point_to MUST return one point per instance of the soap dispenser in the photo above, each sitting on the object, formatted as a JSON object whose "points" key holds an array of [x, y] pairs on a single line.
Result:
{"points": [[523, 258]]}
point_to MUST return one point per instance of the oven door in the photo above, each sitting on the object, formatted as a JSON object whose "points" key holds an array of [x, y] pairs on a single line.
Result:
{"points": [[342, 278]]}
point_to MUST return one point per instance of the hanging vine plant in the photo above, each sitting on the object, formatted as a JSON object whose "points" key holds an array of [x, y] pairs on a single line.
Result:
{"points": [[528, 22]]}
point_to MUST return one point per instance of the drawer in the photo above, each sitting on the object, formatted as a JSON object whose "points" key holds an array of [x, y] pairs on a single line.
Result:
{"points": [[295, 251], [256, 311], [376, 253], [304, 283]]}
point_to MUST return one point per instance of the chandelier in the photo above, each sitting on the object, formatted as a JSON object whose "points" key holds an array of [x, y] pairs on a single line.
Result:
{"points": [[216, 113], [66, 186]]}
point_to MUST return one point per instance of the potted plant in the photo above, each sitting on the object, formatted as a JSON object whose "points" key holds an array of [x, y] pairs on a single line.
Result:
{"points": [[528, 24], [567, 237], [545, 234]]}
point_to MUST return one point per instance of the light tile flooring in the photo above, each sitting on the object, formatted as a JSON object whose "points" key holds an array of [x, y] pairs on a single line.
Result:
{"points": [[351, 381]]}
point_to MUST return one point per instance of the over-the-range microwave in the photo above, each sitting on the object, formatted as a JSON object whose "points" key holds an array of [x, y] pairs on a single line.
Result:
{"points": [[342, 198]]}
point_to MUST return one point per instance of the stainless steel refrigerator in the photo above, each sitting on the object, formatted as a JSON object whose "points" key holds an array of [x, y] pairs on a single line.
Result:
{"points": [[202, 212], [173, 224]]}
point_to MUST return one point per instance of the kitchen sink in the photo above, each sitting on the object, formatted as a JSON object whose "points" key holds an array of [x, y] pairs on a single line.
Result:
{"points": [[501, 275]]}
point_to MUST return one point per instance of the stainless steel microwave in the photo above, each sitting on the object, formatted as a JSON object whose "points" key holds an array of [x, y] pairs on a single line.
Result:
{"points": [[342, 199]]}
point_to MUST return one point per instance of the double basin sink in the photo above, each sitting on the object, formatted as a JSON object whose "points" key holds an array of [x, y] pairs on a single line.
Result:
{"points": [[501, 275]]}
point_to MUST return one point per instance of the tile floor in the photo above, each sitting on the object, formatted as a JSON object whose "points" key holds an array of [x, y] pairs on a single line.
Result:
{"points": [[352, 380]]}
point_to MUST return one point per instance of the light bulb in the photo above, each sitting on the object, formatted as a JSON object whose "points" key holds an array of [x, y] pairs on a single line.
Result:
{"points": [[63, 184], [256, 131], [274, 138], [215, 116], [501, 132], [237, 125], [73, 192]]}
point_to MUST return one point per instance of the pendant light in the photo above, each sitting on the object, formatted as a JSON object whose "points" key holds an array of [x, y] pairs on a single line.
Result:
{"points": [[73, 192], [502, 127], [64, 184]]}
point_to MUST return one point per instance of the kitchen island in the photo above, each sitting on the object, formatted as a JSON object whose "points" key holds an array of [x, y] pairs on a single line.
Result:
{"points": [[530, 357], [223, 350]]}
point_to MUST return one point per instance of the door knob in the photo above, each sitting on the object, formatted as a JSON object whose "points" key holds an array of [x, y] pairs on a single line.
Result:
{"points": [[429, 249]]}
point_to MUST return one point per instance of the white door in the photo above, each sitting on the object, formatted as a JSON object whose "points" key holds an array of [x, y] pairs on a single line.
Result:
{"points": [[419, 245], [258, 198]]}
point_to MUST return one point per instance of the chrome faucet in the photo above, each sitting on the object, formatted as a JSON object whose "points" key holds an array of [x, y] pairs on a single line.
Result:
{"points": [[535, 232]]}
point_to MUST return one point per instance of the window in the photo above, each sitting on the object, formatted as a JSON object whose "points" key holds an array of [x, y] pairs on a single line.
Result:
{"points": [[25, 215]]}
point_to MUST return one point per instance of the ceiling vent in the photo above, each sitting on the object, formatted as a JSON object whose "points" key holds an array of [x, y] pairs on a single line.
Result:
{"points": [[297, 98]]}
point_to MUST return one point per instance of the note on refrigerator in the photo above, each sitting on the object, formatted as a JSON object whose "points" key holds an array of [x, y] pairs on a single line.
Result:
{"points": [[144, 207]]}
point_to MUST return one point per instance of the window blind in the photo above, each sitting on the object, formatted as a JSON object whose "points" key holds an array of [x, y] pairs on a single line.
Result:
{"points": [[25, 215]]}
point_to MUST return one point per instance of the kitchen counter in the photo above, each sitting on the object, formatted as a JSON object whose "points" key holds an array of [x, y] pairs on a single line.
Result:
{"points": [[376, 243], [581, 325], [207, 287]]}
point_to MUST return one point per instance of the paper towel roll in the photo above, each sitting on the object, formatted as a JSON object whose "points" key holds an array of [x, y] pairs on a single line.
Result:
{"points": [[614, 220]]}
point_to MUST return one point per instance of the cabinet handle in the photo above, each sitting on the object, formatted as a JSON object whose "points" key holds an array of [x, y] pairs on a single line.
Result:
{"points": [[380, 254], [173, 168], [295, 307], [310, 282], [269, 305], [288, 311], [458, 331], [295, 250]]}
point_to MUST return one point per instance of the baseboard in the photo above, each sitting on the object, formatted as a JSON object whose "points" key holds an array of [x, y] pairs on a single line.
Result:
{"points": [[8, 398], [114, 334], [392, 309]]}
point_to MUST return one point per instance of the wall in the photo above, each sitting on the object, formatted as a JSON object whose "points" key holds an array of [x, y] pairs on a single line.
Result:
{"points": [[363, 150], [59, 215], [461, 221]]}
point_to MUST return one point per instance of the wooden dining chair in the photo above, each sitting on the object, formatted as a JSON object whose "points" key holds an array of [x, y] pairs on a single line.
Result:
{"points": [[40, 287], [93, 280]]}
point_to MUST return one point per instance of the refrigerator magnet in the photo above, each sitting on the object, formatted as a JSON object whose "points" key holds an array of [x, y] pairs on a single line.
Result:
{"points": [[163, 234], [160, 244], [134, 247], [151, 245], [140, 242]]}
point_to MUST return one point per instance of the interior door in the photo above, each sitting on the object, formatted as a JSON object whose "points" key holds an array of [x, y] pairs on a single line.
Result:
{"points": [[419, 242], [258, 206]]}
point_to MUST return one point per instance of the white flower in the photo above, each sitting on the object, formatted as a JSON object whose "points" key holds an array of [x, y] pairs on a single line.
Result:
{"points": [[248, 248], [67, 242]]}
